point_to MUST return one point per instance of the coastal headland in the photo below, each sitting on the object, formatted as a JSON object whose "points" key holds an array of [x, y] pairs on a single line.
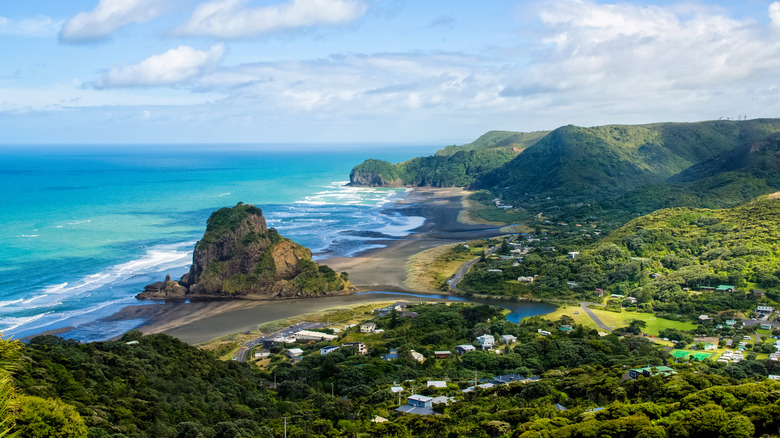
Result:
{"points": [[381, 269]]}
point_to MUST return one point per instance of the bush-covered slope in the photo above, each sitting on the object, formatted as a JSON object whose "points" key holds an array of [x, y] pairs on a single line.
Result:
{"points": [[574, 164], [449, 167]]}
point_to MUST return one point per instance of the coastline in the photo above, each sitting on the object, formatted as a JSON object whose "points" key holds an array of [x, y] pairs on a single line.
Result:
{"points": [[378, 269]]}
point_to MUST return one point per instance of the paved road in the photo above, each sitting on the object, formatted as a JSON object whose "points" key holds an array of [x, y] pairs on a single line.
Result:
{"points": [[593, 316], [241, 356], [464, 268]]}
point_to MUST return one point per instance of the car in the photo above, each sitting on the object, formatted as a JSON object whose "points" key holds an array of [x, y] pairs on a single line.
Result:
{"points": [[235, 357]]}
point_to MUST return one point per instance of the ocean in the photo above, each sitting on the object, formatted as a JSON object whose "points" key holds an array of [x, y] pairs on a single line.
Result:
{"points": [[85, 228]]}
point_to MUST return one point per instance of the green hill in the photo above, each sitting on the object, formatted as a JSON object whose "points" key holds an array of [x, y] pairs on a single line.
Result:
{"points": [[449, 167], [574, 164]]}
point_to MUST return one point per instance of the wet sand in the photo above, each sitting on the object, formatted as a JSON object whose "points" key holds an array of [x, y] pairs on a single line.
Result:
{"points": [[381, 269]]}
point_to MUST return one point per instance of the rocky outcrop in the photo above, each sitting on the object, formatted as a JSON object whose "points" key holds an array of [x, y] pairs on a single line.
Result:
{"points": [[239, 255], [375, 173]]}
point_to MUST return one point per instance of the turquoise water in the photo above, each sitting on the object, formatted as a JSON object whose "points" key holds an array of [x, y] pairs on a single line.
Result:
{"points": [[85, 228]]}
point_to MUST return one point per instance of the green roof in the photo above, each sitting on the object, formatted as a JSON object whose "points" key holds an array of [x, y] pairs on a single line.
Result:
{"points": [[725, 287]]}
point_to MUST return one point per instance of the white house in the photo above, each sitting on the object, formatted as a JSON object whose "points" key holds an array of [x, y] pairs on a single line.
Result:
{"points": [[294, 352], [368, 327], [765, 309], [417, 356], [486, 341], [306, 335], [437, 384], [509, 339], [328, 349]]}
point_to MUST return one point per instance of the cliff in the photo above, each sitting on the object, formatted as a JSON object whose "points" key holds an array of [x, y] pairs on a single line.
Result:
{"points": [[240, 256]]}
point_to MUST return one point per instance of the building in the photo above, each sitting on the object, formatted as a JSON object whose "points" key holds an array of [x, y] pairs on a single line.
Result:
{"points": [[703, 318], [509, 339], [328, 349], [710, 346], [724, 288], [361, 347], [307, 335], [655, 275], [565, 328], [573, 255], [436, 384], [417, 356], [294, 352], [368, 327], [543, 332], [765, 309], [486, 341], [262, 354], [731, 322], [417, 404], [650, 371], [630, 300], [482, 386], [758, 293], [600, 292], [463, 349], [396, 389], [525, 279], [393, 355], [508, 378], [443, 354]]}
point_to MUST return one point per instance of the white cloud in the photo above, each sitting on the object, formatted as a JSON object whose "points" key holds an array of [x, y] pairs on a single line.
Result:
{"points": [[40, 26], [108, 16], [169, 68], [232, 19], [774, 13]]}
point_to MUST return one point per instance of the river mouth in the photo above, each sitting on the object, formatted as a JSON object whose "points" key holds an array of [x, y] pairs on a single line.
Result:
{"points": [[518, 309]]}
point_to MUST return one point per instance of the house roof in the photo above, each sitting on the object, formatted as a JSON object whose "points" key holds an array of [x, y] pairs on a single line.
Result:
{"points": [[420, 398], [437, 383]]}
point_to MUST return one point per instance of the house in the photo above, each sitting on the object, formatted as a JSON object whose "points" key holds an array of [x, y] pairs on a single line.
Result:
{"points": [[498, 271], [522, 279], [600, 293], [573, 255], [463, 349], [655, 275], [368, 327], [294, 352], [724, 288], [378, 331], [482, 386], [543, 332], [559, 407], [710, 346], [765, 309], [706, 288], [417, 356], [436, 384], [766, 326], [262, 354], [773, 377], [630, 300], [509, 339], [731, 322], [417, 404], [328, 349], [650, 371], [617, 296], [703, 318], [442, 354], [758, 293], [486, 341], [565, 328], [508, 378], [361, 347], [307, 335], [396, 389], [393, 355]]}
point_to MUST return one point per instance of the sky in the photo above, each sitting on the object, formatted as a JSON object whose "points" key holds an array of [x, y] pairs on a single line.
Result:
{"points": [[375, 71]]}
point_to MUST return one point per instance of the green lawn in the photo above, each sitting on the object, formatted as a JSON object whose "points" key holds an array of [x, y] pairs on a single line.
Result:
{"points": [[579, 318], [654, 324]]}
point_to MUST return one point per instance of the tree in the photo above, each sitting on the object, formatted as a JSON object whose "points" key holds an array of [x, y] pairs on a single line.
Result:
{"points": [[48, 418]]}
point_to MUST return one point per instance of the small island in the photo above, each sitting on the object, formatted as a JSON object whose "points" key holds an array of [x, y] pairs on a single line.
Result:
{"points": [[240, 256]]}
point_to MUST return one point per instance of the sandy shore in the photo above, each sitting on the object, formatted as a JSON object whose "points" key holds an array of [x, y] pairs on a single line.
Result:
{"points": [[374, 270]]}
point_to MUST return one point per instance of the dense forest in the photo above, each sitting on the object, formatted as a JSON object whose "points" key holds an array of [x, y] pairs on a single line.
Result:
{"points": [[139, 386]]}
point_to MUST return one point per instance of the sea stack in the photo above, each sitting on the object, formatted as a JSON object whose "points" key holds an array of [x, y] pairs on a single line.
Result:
{"points": [[240, 256]]}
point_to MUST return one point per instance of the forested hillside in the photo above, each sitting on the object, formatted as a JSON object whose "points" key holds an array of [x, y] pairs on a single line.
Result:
{"points": [[453, 166], [573, 383]]}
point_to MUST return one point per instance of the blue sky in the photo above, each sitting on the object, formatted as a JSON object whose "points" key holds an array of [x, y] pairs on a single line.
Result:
{"points": [[367, 71]]}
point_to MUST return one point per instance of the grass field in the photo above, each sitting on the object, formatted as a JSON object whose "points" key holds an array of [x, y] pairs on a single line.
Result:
{"points": [[427, 270], [654, 324], [579, 318]]}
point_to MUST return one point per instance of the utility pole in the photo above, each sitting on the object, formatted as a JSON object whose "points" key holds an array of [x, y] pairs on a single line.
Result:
{"points": [[285, 427], [332, 392]]}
